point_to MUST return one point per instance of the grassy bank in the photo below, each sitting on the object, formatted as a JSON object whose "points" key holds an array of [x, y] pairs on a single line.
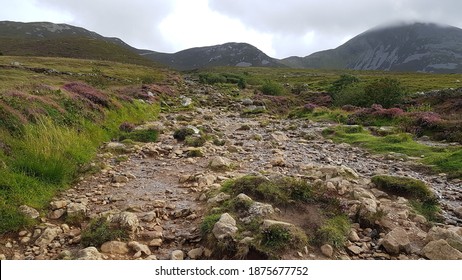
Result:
{"points": [[441, 159], [52, 124]]}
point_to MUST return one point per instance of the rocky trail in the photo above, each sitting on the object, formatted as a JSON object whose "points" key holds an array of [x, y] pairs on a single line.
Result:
{"points": [[159, 193]]}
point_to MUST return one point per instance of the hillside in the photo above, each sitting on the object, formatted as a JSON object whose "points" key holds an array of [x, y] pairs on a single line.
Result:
{"points": [[63, 40], [411, 47], [229, 54]]}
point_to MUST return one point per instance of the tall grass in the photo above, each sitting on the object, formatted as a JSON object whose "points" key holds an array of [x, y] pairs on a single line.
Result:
{"points": [[51, 152], [46, 156]]}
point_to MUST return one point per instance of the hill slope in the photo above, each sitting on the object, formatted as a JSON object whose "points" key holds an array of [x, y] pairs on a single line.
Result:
{"points": [[63, 40], [411, 47], [229, 54]]}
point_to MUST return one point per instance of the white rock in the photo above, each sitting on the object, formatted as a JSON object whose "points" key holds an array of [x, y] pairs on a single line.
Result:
{"points": [[196, 253], [29, 211], [125, 220], [353, 236], [327, 250], [59, 204], [206, 180], [397, 241], [177, 255], [355, 249], [156, 242], [115, 247], [458, 212], [225, 227], [47, 236], [90, 253], [269, 223], [219, 198], [279, 137], [76, 209], [441, 250], [220, 163]]}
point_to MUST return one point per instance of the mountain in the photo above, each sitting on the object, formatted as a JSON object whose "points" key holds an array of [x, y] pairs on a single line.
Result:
{"points": [[229, 54], [63, 40], [422, 47]]}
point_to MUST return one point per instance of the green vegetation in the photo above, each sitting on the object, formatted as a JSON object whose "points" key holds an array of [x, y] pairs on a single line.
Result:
{"points": [[334, 231], [182, 133], [52, 125], [72, 47], [208, 223], [280, 237], [343, 82], [145, 136], [281, 191], [385, 91], [404, 186], [195, 141], [440, 159], [100, 231], [322, 80], [195, 153], [223, 78], [270, 87], [421, 197]]}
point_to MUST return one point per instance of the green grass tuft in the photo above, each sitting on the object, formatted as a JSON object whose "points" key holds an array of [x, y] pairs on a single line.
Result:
{"points": [[145, 136], [208, 223], [404, 186], [334, 231], [99, 231]]}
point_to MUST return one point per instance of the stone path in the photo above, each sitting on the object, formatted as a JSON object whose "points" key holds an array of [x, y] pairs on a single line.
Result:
{"points": [[158, 192]]}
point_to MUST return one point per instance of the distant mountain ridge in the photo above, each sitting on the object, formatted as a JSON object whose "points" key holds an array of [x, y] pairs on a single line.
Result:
{"points": [[422, 47], [229, 54], [416, 47], [63, 40]]}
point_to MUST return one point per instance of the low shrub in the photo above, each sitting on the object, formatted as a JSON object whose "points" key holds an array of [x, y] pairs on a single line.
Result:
{"points": [[281, 237], [403, 186], [195, 141], [195, 153], [99, 231], [182, 133], [83, 90], [272, 88], [376, 115]]}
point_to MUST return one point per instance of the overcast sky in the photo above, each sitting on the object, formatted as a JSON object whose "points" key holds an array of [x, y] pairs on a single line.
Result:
{"points": [[280, 28]]}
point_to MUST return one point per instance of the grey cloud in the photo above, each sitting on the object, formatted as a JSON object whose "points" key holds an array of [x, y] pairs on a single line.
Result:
{"points": [[133, 21], [332, 20]]}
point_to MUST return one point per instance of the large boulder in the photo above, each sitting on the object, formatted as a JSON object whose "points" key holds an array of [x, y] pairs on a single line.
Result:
{"points": [[441, 250], [225, 227], [397, 241], [89, 253], [258, 209], [29, 211], [47, 236], [279, 137], [451, 237], [220, 163], [74, 209], [219, 198], [125, 220], [138, 247], [115, 247]]}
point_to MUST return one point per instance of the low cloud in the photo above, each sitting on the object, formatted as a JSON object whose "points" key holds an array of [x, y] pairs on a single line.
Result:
{"points": [[135, 21]]}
